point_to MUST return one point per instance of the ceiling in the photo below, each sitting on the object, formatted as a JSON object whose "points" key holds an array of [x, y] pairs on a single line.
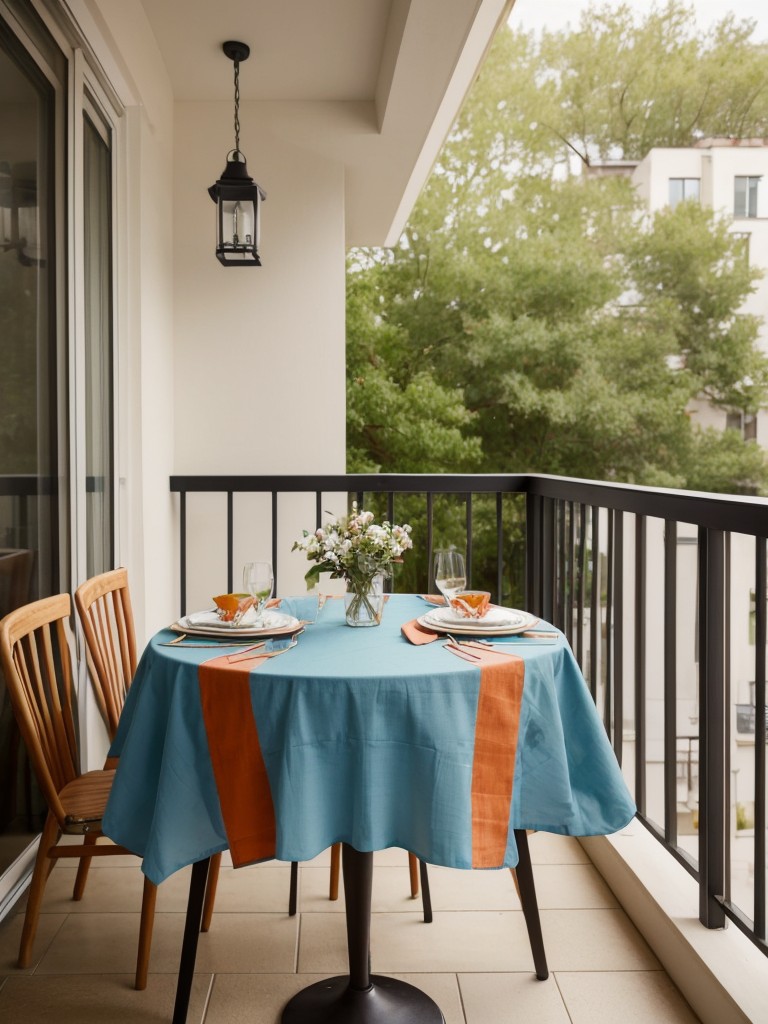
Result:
{"points": [[300, 49], [385, 79]]}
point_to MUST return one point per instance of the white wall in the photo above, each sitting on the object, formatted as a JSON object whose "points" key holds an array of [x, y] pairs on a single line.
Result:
{"points": [[119, 34], [260, 351]]}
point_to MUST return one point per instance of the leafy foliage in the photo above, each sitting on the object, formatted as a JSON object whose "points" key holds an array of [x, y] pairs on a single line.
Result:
{"points": [[531, 317]]}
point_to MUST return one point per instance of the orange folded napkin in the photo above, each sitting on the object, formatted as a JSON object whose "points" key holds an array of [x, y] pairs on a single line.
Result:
{"points": [[417, 634]]}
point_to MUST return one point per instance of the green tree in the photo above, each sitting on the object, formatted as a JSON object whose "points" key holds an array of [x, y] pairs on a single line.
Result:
{"points": [[531, 312]]}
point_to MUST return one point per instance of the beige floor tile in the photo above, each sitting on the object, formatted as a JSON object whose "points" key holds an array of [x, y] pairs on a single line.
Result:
{"points": [[571, 886], [469, 941], [547, 848], [452, 889], [112, 889], [391, 891], [443, 989], [323, 944], [249, 944], [488, 999], [236, 943], [594, 940], [250, 890], [252, 999], [635, 997], [107, 999], [10, 936]]}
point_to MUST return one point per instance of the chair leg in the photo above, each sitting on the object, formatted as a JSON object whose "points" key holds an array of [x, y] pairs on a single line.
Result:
{"points": [[145, 933], [426, 898], [36, 888], [413, 869], [293, 892], [333, 891], [523, 875], [210, 891], [82, 870]]}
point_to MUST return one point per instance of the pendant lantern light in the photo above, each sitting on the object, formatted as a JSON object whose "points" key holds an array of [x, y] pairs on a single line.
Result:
{"points": [[237, 196]]}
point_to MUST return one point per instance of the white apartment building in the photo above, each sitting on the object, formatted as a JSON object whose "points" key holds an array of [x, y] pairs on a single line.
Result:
{"points": [[731, 177]]}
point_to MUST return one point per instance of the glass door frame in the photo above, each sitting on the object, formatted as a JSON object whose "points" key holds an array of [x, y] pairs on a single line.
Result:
{"points": [[86, 90]]}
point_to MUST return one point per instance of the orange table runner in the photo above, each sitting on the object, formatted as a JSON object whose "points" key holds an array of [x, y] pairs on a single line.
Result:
{"points": [[238, 765]]}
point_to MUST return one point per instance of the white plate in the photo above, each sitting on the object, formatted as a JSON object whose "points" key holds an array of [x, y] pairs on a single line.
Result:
{"points": [[208, 623], [496, 622]]}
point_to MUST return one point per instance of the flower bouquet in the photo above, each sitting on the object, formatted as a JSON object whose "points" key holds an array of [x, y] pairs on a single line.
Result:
{"points": [[360, 551]]}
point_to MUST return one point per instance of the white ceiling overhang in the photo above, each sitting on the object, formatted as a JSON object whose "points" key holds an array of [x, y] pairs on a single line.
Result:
{"points": [[375, 84]]}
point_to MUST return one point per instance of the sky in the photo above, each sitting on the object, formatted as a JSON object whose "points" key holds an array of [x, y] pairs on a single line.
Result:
{"points": [[555, 14]]}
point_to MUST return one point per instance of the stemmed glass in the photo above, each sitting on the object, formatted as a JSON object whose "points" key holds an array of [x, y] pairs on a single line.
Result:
{"points": [[258, 581], [450, 574]]}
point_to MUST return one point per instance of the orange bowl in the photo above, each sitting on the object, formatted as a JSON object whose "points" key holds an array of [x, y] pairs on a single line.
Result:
{"points": [[231, 607], [472, 604]]}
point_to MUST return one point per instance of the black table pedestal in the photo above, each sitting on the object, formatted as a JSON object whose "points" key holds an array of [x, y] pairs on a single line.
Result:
{"points": [[360, 998]]}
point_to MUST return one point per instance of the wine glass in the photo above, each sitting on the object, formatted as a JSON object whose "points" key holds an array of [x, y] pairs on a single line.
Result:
{"points": [[450, 574], [258, 581]]}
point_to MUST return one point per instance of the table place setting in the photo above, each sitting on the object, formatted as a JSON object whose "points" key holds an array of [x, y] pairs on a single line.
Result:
{"points": [[254, 752]]}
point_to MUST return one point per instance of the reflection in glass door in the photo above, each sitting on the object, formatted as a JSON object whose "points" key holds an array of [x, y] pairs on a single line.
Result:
{"points": [[99, 391], [30, 414]]}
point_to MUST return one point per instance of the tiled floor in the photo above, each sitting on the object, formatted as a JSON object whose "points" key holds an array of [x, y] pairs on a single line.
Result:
{"points": [[473, 960]]}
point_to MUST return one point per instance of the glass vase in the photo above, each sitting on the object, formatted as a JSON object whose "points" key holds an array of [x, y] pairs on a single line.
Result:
{"points": [[364, 600]]}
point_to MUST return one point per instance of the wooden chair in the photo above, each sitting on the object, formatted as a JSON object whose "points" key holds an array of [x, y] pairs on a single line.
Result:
{"points": [[106, 615], [37, 666]]}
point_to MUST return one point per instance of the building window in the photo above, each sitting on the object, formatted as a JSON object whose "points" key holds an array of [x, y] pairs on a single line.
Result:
{"points": [[746, 196], [745, 423], [741, 244], [683, 188]]}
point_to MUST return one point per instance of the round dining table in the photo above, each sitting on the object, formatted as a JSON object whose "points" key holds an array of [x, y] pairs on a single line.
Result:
{"points": [[364, 737]]}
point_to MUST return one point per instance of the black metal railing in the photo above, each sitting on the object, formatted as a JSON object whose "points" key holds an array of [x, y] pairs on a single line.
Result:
{"points": [[647, 585]]}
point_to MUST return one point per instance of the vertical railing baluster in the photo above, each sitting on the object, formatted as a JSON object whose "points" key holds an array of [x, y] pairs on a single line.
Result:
{"points": [[640, 620], [618, 640], [230, 539], [670, 681], [581, 580], [712, 819], [468, 527], [183, 551], [499, 548], [570, 624], [608, 649], [533, 554], [318, 509], [430, 544], [595, 617], [547, 558], [560, 565], [760, 735], [274, 539]]}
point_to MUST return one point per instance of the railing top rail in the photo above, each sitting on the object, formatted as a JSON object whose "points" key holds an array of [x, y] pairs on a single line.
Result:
{"points": [[730, 512], [416, 483]]}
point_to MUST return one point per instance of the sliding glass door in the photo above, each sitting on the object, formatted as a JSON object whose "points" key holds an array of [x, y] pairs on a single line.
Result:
{"points": [[32, 419], [57, 387]]}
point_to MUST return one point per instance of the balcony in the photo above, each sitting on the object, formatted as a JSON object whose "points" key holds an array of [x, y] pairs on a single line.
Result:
{"points": [[663, 597]]}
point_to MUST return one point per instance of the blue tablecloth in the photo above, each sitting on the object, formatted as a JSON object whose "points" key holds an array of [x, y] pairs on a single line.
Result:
{"points": [[368, 740]]}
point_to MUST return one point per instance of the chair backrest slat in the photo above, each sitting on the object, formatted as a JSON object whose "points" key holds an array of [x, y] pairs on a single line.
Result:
{"points": [[104, 605]]}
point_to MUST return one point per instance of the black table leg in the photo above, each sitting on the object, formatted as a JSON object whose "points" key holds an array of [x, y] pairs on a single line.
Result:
{"points": [[191, 933], [360, 997], [530, 904]]}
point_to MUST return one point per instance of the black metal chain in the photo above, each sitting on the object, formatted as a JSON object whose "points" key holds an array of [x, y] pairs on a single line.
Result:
{"points": [[237, 106]]}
